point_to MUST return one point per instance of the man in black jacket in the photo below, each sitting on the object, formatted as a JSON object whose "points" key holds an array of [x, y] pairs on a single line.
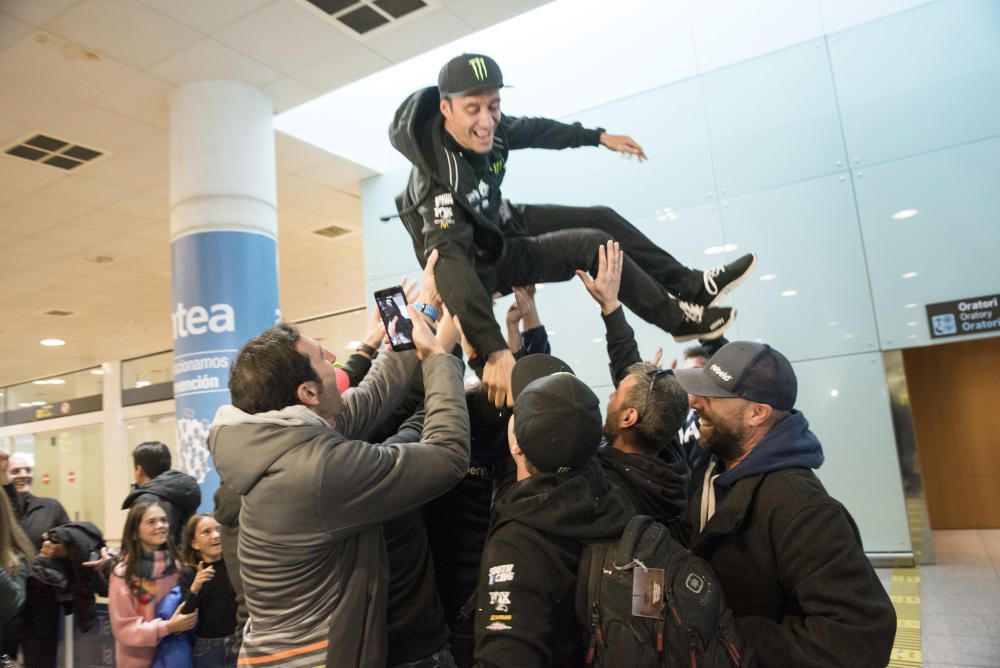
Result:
{"points": [[560, 502], [788, 556], [458, 142], [177, 492], [644, 411]]}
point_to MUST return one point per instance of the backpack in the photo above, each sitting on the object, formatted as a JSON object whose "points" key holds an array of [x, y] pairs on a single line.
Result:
{"points": [[686, 621]]}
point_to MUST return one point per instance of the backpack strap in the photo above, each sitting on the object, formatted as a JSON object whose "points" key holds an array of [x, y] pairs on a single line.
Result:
{"points": [[625, 548]]}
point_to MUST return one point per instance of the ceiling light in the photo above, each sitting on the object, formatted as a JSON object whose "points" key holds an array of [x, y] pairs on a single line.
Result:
{"points": [[768, 277], [97, 372], [142, 383], [729, 248], [904, 214], [912, 323], [52, 342], [910, 274], [352, 345], [37, 403], [39, 382], [789, 293], [912, 336], [911, 306], [599, 339], [24, 404], [834, 393], [833, 323], [848, 336], [714, 250]]}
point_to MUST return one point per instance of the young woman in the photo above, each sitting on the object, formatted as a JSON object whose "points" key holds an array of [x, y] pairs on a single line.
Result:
{"points": [[15, 555], [146, 572], [206, 587]]}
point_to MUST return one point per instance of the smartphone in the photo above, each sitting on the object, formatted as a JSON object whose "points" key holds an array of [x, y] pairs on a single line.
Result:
{"points": [[391, 304]]}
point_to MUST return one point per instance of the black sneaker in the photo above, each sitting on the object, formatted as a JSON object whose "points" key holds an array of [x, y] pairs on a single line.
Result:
{"points": [[721, 280], [702, 322]]}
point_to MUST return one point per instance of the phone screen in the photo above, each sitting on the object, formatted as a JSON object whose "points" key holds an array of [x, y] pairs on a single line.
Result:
{"points": [[391, 304]]}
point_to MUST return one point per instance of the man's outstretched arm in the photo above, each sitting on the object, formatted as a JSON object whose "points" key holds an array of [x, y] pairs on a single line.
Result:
{"points": [[547, 133]]}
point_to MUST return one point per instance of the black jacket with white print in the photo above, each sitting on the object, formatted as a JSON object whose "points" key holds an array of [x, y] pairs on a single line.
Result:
{"points": [[452, 202], [527, 583]]}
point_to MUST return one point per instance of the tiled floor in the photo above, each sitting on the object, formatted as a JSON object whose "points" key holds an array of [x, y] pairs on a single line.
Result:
{"points": [[960, 606]]}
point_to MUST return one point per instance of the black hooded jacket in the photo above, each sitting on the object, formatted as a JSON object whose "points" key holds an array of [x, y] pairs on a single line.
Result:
{"points": [[177, 492], [527, 584], [452, 202], [655, 484], [789, 559]]}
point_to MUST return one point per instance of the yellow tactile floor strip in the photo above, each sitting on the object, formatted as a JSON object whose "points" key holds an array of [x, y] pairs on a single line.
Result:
{"points": [[905, 596]]}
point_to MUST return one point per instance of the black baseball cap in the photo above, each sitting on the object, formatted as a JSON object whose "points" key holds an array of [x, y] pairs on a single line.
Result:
{"points": [[742, 369], [557, 418], [469, 73]]}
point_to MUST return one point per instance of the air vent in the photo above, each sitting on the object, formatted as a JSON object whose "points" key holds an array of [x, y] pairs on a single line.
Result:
{"points": [[332, 231], [58, 312], [53, 152], [362, 16]]}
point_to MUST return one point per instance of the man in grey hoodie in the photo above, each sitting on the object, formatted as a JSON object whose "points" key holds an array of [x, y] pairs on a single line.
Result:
{"points": [[311, 550]]}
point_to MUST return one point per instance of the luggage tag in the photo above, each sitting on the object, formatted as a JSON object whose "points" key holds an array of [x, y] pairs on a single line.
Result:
{"points": [[647, 592]]}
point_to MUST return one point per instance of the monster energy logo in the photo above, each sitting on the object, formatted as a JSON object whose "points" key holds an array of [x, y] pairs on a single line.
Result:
{"points": [[497, 166], [478, 66]]}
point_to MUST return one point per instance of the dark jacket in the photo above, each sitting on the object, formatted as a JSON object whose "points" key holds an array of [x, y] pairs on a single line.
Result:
{"points": [[177, 492], [790, 561], [74, 584], [527, 585], [452, 202], [227, 514], [38, 515], [215, 601], [655, 484]]}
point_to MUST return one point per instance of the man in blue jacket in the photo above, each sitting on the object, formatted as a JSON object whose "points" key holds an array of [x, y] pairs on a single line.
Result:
{"points": [[788, 555]]}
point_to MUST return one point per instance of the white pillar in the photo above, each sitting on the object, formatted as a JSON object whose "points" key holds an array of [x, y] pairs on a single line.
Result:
{"points": [[223, 228]]}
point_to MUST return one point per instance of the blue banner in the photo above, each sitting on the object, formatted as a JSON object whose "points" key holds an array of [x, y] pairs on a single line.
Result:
{"points": [[225, 288]]}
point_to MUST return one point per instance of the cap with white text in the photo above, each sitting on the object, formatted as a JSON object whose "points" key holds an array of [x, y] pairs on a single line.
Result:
{"points": [[746, 370]]}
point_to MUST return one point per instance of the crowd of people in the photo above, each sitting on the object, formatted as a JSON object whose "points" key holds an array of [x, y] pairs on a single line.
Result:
{"points": [[395, 510]]}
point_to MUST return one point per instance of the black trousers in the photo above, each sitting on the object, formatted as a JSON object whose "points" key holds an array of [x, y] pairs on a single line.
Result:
{"points": [[548, 243], [35, 630]]}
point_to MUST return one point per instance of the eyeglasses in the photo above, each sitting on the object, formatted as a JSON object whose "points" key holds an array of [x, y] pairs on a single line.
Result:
{"points": [[653, 375]]}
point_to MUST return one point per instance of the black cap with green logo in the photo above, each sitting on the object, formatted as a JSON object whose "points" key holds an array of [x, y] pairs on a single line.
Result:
{"points": [[469, 73]]}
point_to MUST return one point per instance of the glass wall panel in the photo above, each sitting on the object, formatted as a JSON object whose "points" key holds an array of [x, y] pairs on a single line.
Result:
{"points": [[773, 120], [919, 80], [161, 428]]}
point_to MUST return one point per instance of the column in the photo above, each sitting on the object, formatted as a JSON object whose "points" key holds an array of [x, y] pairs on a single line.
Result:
{"points": [[223, 230]]}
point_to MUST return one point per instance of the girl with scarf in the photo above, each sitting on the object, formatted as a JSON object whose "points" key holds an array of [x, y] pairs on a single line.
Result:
{"points": [[15, 557], [148, 569]]}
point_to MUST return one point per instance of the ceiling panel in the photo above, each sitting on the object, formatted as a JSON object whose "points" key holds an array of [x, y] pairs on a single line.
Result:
{"points": [[142, 97], [12, 30], [205, 17], [353, 62], [426, 30], [52, 209], [284, 36], [36, 12], [62, 65], [119, 169], [483, 13], [287, 93], [338, 173], [82, 189], [127, 31], [210, 60], [32, 105]]}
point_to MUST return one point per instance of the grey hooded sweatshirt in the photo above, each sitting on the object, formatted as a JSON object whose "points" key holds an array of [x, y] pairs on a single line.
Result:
{"points": [[311, 549]]}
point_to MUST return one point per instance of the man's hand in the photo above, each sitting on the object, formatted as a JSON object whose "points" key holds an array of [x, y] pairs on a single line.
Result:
{"points": [[657, 359], [622, 144], [98, 564], [448, 334], [428, 292], [524, 298], [604, 288], [376, 330], [496, 378], [423, 338]]}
